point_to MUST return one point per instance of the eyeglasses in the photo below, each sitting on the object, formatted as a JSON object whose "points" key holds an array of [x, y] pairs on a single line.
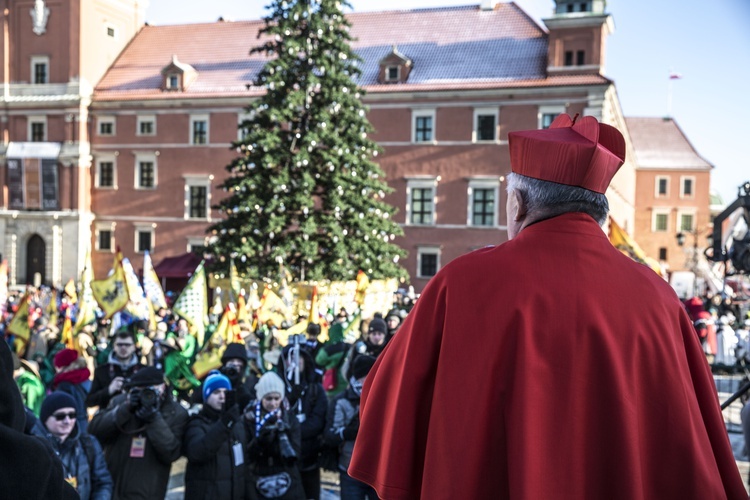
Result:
{"points": [[62, 416], [124, 345]]}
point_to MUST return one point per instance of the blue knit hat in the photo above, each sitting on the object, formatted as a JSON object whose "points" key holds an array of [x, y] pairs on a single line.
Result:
{"points": [[215, 380]]}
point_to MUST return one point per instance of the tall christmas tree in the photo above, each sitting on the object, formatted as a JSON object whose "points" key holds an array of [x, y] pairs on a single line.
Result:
{"points": [[305, 190]]}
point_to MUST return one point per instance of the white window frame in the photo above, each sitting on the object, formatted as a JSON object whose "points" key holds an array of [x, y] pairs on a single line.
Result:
{"points": [[548, 109], [105, 226], [656, 186], [145, 119], [418, 113], [197, 180], [683, 178], [387, 78], [145, 157], [144, 228], [97, 175], [195, 119], [484, 112], [241, 117], [103, 120], [168, 81], [37, 119], [682, 212], [38, 60], [660, 211], [431, 250], [421, 183], [196, 241], [478, 183]]}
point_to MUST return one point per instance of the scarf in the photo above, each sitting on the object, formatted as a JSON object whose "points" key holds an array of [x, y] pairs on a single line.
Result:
{"points": [[73, 376]]}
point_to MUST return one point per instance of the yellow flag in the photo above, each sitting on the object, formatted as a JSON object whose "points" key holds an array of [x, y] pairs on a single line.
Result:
{"points": [[207, 361], [283, 335], [272, 308], [192, 304], [67, 332], [625, 244], [70, 290], [228, 328], [242, 313], [19, 325], [51, 311], [362, 283], [87, 307], [112, 292]]}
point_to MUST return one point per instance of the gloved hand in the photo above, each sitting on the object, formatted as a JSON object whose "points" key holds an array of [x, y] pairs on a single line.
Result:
{"points": [[134, 400], [267, 435], [230, 416], [351, 429], [147, 413]]}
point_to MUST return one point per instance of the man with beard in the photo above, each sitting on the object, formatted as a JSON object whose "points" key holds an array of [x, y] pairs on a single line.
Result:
{"points": [[141, 432], [122, 364]]}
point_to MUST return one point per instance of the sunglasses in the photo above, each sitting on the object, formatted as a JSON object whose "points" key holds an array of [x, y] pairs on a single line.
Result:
{"points": [[62, 416], [124, 345]]}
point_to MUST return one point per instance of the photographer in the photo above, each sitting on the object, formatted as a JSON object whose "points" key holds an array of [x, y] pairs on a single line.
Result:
{"points": [[215, 443], [110, 377], [141, 432], [275, 445], [234, 367]]}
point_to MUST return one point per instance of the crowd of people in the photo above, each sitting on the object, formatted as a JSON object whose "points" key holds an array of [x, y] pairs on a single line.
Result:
{"points": [[260, 425]]}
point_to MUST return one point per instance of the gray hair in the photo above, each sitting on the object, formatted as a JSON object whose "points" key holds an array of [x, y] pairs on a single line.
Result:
{"points": [[545, 199]]}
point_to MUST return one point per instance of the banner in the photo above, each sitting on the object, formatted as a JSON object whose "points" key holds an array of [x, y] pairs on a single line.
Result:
{"points": [[192, 304], [625, 244], [112, 292], [151, 284]]}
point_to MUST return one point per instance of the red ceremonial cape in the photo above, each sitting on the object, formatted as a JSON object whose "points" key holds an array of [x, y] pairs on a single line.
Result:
{"points": [[551, 366]]}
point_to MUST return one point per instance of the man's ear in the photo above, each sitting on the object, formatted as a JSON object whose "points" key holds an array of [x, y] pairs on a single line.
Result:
{"points": [[519, 206]]}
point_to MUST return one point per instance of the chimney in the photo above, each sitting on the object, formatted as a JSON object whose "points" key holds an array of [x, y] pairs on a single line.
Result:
{"points": [[489, 4]]}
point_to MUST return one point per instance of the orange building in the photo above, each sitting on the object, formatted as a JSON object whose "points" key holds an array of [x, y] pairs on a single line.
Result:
{"points": [[672, 193], [136, 122]]}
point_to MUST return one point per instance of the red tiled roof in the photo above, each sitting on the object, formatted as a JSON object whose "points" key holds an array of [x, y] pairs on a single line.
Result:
{"points": [[452, 48], [659, 143]]}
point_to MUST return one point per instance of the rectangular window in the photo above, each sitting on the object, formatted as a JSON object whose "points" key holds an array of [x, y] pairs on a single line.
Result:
{"points": [[199, 129], [38, 132], [571, 7], [146, 174], [110, 32], [662, 186], [391, 74], [483, 207], [486, 127], [568, 58], [106, 125], [660, 222], [687, 187], [144, 240], [580, 58], [173, 82], [104, 241], [686, 222], [662, 253], [146, 125], [584, 7], [423, 129], [39, 70], [547, 120], [106, 174], [421, 205], [198, 197], [428, 262]]}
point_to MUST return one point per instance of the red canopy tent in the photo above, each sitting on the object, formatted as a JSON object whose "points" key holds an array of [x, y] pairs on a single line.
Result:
{"points": [[174, 272]]}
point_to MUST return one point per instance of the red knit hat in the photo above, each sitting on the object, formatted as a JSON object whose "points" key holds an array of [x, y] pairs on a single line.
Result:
{"points": [[65, 357], [583, 153]]}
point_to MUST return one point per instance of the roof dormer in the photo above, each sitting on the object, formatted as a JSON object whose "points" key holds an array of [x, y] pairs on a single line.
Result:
{"points": [[577, 35], [177, 76], [395, 67]]}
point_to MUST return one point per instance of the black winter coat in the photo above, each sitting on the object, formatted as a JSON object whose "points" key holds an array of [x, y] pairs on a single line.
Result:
{"points": [[103, 376], [145, 477], [212, 472]]}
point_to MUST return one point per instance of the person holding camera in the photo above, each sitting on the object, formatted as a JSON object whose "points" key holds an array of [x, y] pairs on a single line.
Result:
{"points": [[109, 378], [234, 367], [275, 444], [141, 431], [215, 444]]}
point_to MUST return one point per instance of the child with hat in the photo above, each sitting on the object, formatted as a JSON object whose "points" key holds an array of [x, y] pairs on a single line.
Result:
{"points": [[275, 445]]}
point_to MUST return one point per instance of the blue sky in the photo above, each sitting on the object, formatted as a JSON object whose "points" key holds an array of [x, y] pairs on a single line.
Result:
{"points": [[708, 43]]}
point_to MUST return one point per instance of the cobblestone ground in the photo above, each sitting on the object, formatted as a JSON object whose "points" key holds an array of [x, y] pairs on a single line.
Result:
{"points": [[725, 384]]}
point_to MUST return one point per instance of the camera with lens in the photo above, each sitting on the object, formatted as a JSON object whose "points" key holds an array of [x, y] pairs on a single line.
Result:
{"points": [[148, 397], [285, 446], [230, 371]]}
